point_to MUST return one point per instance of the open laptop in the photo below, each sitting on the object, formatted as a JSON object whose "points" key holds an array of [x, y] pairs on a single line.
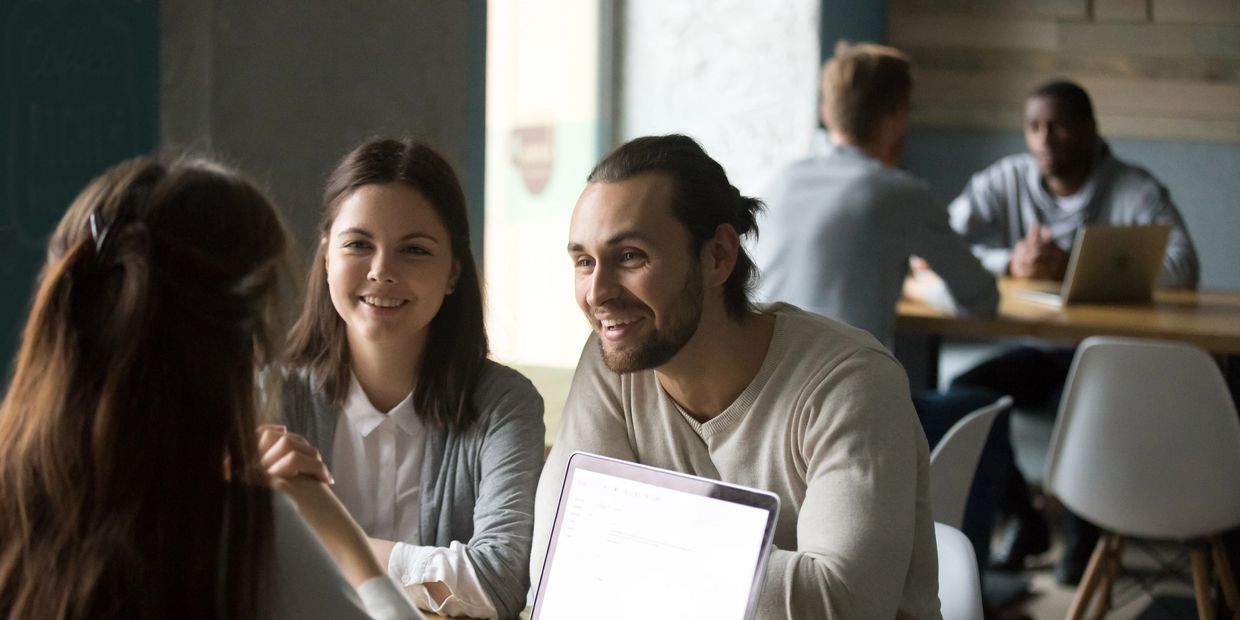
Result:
{"points": [[632, 541], [1110, 264]]}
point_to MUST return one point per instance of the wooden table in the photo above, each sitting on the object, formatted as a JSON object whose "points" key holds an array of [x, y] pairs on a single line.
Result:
{"points": [[430, 616], [1208, 319]]}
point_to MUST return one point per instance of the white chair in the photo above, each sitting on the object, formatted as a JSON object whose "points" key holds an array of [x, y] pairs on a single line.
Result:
{"points": [[960, 588], [1147, 445], [953, 463]]}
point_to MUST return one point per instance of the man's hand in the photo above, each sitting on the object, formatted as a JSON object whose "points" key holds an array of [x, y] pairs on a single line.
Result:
{"points": [[1038, 257], [925, 286]]}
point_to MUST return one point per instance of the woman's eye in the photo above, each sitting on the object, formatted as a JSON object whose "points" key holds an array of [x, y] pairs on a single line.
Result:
{"points": [[417, 250], [356, 244]]}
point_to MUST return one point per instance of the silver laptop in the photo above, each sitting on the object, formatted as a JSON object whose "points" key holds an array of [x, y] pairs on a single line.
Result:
{"points": [[1111, 265], [632, 541]]}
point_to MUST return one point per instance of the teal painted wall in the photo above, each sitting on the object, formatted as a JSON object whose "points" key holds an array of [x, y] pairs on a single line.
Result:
{"points": [[78, 92], [853, 20]]}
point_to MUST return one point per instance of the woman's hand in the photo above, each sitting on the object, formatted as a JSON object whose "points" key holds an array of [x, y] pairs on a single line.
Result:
{"points": [[287, 455]]}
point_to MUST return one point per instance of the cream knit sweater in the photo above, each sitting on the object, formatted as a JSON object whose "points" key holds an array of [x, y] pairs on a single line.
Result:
{"points": [[826, 424]]}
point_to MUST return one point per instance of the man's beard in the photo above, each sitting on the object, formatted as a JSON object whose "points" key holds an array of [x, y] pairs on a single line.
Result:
{"points": [[663, 345]]}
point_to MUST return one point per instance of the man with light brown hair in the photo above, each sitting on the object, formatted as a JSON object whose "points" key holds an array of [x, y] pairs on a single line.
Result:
{"points": [[843, 224]]}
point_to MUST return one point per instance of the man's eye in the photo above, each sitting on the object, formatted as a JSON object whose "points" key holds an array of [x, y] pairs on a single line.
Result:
{"points": [[583, 261], [628, 257]]}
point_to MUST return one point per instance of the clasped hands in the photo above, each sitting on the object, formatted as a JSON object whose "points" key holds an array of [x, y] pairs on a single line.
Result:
{"points": [[1038, 257], [296, 468]]}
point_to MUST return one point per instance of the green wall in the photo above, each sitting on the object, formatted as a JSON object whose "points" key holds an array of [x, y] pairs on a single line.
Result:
{"points": [[79, 92]]}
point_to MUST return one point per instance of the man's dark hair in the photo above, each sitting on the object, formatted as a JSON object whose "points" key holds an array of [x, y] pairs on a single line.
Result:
{"points": [[1073, 99], [703, 200]]}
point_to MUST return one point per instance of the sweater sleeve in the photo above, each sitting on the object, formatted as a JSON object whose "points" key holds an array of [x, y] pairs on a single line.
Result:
{"points": [[979, 214], [857, 527], [1180, 268], [973, 288], [509, 463], [308, 583], [593, 421]]}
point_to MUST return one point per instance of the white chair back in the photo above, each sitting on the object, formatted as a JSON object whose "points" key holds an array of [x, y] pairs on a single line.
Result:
{"points": [[953, 462], [960, 589], [1147, 442]]}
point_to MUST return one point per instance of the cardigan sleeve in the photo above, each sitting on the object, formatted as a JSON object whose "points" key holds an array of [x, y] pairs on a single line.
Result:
{"points": [[509, 462]]}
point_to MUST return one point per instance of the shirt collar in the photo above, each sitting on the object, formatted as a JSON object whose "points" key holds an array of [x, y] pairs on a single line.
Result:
{"points": [[366, 418], [850, 151]]}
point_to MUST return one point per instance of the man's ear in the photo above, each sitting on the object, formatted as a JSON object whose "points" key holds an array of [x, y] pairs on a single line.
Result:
{"points": [[719, 255]]}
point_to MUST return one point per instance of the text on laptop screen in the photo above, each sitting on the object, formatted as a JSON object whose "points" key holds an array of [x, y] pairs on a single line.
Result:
{"points": [[628, 548]]}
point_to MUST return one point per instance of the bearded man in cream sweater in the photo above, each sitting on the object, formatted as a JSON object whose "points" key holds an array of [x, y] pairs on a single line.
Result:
{"points": [[683, 372]]}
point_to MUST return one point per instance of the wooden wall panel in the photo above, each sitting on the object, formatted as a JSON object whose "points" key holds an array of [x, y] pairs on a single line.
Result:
{"points": [[1068, 9], [1197, 11], [1167, 69], [972, 32], [1121, 10]]}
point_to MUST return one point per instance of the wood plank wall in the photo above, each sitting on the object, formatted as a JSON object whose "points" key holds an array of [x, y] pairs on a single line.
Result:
{"points": [[1166, 69]]}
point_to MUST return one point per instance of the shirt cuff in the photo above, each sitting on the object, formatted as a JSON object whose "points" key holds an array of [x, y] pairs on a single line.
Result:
{"points": [[414, 565], [407, 564]]}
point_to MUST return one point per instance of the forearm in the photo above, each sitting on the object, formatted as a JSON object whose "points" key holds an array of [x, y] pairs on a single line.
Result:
{"points": [[382, 549], [342, 537], [1180, 268]]}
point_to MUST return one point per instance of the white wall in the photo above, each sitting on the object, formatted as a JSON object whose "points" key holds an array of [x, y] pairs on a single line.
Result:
{"points": [[739, 76]]}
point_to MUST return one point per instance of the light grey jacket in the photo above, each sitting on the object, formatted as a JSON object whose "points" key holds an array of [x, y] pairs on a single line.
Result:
{"points": [[1000, 204], [477, 485]]}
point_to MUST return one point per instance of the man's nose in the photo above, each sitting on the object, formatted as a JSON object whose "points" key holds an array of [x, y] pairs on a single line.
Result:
{"points": [[603, 286]]}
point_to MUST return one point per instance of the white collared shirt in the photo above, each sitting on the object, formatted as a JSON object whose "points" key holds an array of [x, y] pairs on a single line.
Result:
{"points": [[377, 464]]}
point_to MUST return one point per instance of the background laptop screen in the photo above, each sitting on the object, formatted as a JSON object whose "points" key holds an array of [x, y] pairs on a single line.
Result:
{"points": [[626, 549]]}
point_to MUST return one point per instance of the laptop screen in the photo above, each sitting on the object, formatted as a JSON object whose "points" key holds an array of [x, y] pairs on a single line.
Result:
{"points": [[624, 548]]}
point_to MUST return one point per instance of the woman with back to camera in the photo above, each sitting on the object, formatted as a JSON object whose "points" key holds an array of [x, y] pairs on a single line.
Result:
{"points": [[129, 466], [435, 449]]}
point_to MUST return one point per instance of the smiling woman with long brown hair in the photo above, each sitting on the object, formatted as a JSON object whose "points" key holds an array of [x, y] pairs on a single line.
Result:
{"points": [[435, 449], [130, 476]]}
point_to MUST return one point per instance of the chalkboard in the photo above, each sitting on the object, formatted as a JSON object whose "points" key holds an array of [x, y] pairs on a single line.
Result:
{"points": [[79, 84]]}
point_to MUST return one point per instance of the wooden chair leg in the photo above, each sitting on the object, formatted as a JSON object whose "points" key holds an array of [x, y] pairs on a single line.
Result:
{"points": [[1110, 571], [1085, 592], [1201, 580], [1226, 578]]}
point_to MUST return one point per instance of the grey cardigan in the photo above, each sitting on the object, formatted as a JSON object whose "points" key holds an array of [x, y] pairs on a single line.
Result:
{"points": [[477, 485]]}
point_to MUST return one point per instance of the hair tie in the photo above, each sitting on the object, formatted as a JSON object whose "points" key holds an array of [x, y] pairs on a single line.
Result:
{"points": [[99, 235]]}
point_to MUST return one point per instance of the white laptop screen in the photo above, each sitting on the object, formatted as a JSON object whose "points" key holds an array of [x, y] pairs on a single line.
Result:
{"points": [[626, 549]]}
